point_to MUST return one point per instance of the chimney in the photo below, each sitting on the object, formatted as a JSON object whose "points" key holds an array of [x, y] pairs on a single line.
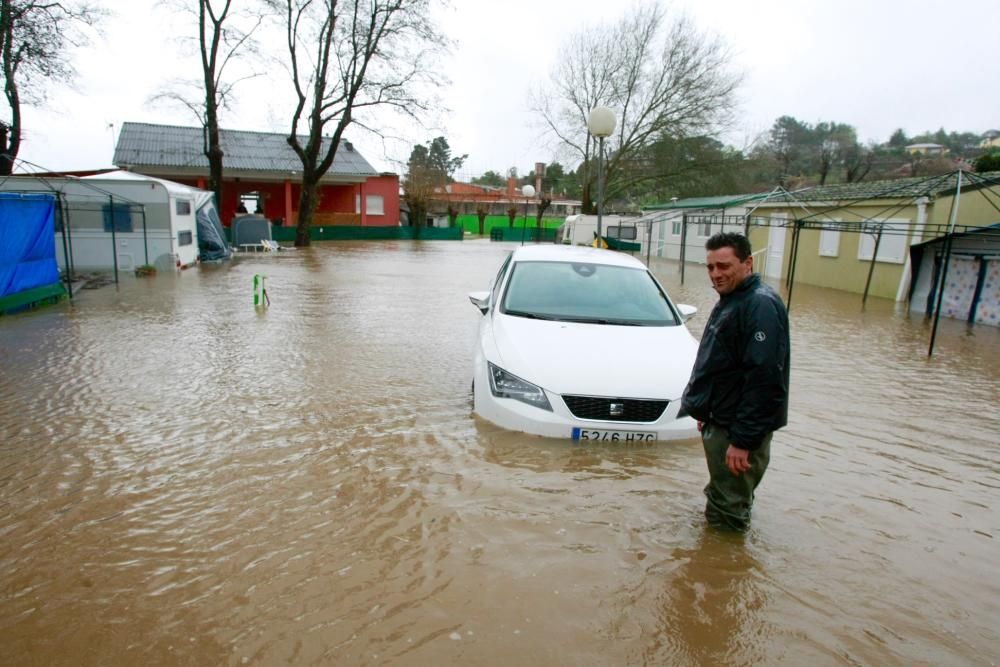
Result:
{"points": [[539, 174], [511, 186]]}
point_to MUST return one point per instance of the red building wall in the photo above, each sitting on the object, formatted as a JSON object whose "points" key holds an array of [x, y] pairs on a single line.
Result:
{"points": [[333, 198]]}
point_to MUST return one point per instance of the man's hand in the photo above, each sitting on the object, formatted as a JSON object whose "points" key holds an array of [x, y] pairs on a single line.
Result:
{"points": [[737, 460]]}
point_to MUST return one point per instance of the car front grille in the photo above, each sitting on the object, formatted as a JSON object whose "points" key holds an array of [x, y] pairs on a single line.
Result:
{"points": [[600, 408]]}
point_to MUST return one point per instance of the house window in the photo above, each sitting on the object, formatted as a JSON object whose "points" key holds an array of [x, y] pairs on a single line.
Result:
{"points": [[893, 246], [705, 227], [185, 237], [675, 229], [374, 204], [829, 240], [182, 207], [119, 215]]}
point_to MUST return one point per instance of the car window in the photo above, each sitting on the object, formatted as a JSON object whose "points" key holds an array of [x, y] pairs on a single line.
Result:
{"points": [[582, 292], [499, 279]]}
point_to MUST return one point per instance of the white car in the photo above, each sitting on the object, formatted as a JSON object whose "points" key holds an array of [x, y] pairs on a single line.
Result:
{"points": [[582, 343]]}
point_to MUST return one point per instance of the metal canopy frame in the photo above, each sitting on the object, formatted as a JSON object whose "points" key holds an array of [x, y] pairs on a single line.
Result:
{"points": [[818, 217], [65, 209]]}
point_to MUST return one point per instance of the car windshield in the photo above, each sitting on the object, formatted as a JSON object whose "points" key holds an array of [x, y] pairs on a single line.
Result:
{"points": [[583, 292]]}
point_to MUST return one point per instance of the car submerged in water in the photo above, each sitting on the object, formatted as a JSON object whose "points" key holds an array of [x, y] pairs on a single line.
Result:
{"points": [[582, 343]]}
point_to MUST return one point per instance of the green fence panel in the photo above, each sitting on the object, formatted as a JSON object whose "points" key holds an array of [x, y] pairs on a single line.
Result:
{"points": [[626, 246], [32, 298], [523, 235], [341, 233], [470, 223]]}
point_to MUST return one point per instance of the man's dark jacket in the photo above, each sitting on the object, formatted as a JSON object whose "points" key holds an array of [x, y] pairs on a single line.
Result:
{"points": [[740, 378]]}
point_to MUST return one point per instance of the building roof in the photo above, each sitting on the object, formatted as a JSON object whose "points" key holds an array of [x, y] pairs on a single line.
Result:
{"points": [[899, 188], [170, 146], [722, 201]]}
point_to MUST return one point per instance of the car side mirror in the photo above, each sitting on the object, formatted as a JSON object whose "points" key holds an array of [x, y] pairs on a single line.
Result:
{"points": [[687, 312], [480, 300]]}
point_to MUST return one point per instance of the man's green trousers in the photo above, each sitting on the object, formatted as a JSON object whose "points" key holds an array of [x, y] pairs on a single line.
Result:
{"points": [[730, 497]]}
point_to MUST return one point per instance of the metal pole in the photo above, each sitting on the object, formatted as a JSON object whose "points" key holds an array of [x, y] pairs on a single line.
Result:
{"points": [[600, 188], [684, 229], [792, 264], [978, 294], [65, 245], [871, 265], [947, 257], [69, 235], [940, 295], [524, 222], [649, 240], [114, 238], [746, 225], [145, 244]]}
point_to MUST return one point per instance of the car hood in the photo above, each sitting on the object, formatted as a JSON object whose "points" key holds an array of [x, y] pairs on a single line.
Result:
{"points": [[595, 359]]}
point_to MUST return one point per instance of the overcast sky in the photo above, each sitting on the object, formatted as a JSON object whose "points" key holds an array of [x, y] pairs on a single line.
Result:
{"points": [[874, 64]]}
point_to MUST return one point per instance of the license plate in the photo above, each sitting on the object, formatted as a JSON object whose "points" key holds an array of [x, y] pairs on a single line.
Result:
{"points": [[599, 435]]}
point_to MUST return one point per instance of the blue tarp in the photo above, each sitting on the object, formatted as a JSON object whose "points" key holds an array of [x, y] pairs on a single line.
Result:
{"points": [[27, 242]]}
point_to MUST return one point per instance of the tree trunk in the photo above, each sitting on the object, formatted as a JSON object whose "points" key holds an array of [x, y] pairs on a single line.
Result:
{"points": [[213, 151], [418, 215], [589, 207], [308, 199], [6, 156]]}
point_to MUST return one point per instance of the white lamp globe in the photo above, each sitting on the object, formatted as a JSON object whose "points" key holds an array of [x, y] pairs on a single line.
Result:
{"points": [[601, 121], [528, 191]]}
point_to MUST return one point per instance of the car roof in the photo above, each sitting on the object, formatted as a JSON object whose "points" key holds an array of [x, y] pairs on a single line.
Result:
{"points": [[569, 253]]}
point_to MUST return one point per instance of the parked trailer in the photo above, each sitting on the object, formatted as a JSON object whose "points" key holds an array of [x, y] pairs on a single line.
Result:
{"points": [[121, 220], [582, 229]]}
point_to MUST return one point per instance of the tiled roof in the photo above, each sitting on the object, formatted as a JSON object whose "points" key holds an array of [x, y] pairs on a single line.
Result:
{"points": [[148, 145]]}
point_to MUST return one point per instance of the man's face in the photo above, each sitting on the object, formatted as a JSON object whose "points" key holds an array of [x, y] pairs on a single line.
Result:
{"points": [[726, 271]]}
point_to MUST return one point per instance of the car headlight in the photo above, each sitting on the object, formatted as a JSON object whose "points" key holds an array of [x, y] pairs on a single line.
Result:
{"points": [[508, 385]]}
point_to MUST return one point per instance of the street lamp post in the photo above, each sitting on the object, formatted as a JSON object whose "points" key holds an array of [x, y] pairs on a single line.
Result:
{"points": [[528, 192], [601, 123]]}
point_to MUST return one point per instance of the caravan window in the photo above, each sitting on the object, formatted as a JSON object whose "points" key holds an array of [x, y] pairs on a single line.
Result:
{"points": [[119, 215], [624, 233], [185, 237], [182, 207]]}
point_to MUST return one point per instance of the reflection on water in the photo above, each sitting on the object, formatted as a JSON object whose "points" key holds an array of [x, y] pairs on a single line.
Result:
{"points": [[186, 480], [711, 604]]}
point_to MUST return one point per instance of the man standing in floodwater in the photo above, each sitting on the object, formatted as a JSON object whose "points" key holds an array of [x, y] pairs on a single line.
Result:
{"points": [[738, 390]]}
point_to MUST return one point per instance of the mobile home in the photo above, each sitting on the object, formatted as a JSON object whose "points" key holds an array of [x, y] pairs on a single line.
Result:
{"points": [[121, 220]]}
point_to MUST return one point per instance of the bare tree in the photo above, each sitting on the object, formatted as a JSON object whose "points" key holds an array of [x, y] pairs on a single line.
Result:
{"points": [[482, 210], [543, 204], [347, 56], [224, 34], [663, 78], [35, 39]]}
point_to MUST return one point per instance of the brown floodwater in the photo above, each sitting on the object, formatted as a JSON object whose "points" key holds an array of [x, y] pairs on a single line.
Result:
{"points": [[187, 480]]}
